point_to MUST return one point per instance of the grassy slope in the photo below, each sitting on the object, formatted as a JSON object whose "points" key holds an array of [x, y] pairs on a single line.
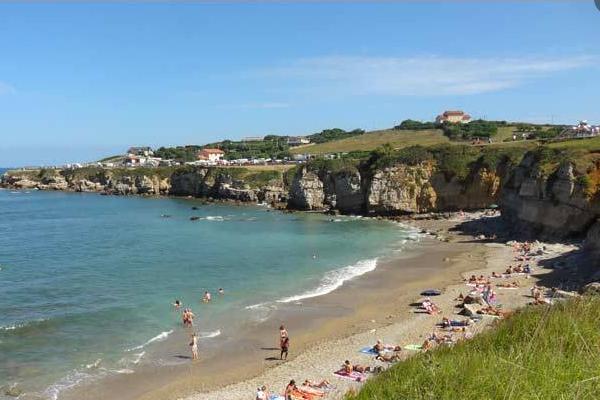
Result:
{"points": [[539, 353], [372, 140]]}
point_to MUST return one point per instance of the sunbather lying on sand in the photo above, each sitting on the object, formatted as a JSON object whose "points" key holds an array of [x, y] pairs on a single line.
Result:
{"points": [[347, 367], [429, 306], [446, 323], [321, 385], [508, 285], [388, 357], [490, 310]]}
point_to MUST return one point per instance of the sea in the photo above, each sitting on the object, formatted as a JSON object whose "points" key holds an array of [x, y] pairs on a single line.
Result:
{"points": [[87, 282]]}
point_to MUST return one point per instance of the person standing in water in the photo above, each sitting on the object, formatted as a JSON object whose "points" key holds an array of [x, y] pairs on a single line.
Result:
{"points": [[194, 346], [221, 291], [206, 297]]}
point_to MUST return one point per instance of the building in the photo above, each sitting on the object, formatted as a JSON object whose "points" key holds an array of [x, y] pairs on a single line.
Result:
{"points": [[144, 151], [210, 155], [253, 139], [453, 117], [297, 140], [581, 130]]}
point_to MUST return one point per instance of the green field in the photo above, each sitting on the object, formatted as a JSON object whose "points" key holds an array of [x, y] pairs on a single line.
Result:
{"points": [[539, 353], [370, 141]]}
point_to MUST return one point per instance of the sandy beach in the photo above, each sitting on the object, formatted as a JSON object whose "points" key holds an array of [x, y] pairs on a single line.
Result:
{"points": [[379, 305]]}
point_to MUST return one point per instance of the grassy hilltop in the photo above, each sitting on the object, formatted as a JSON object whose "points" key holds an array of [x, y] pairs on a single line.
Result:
{"points": [[539, 353]]}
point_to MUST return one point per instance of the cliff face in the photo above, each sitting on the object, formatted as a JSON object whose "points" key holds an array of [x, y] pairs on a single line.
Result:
{"points": [[554, 205], [197, 182], [399, 189]]}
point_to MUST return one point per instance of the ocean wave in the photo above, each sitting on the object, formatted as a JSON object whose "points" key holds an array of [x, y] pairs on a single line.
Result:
{"points": [[208, 335], [335, 279], [214, 218], [257, 306], [22, 325], [159, 337]]}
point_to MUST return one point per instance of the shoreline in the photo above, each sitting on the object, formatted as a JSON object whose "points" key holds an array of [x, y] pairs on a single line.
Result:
{"points": [[318, 360], [310, 321]]}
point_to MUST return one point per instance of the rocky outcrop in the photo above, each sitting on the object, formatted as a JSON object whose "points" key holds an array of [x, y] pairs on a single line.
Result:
{"points": [[547, 205], [401, 189], [306, 191]]}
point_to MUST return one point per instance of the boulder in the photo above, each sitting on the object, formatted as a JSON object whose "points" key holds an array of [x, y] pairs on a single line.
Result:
{"points": [[592, 289]]}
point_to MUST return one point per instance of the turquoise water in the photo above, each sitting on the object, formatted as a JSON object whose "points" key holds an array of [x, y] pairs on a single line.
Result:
{"points": [[88, 280]]}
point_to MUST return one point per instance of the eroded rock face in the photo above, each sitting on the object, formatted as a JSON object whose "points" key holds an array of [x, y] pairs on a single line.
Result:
{"points": [[552, 206], [479, 191], [190, 183], [306, 191], [343, 191], [401, 189]]}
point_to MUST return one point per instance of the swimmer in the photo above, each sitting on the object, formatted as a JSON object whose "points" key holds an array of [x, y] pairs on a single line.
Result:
{"points": [[221, 291], [177, 304]]}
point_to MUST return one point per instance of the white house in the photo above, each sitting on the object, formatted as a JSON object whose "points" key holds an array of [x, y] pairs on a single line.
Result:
{"points": [[297, 140], [210, 155], [454, 117]]}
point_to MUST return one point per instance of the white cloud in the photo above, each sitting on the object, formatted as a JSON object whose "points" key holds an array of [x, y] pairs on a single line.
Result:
{"points": [[5, 88], [417, 76]]}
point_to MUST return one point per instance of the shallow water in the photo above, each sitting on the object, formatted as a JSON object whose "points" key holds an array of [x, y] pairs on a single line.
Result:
{"points": [[87, 281]]}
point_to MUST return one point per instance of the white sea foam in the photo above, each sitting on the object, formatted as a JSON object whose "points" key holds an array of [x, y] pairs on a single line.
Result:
{"points": [[159, 337], [335, 279], [208, 335], [214, 218], [71, 380], [256, 306], [20, 325]]}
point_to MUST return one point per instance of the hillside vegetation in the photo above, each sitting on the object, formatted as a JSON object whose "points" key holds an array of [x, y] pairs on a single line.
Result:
{"points": [[371, 140], [538, 353]]}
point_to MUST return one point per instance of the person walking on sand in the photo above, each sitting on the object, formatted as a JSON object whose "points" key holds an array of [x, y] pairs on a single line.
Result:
{"points": [[285, 345], [194, 346]]}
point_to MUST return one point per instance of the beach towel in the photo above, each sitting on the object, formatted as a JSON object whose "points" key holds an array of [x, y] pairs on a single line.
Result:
{"points": [[368, 350], [353, 376], [504, 287], [276, 397], [413, 347]]}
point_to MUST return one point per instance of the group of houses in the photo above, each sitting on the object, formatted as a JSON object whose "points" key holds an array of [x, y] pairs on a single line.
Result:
{"points": [[581, 130]]}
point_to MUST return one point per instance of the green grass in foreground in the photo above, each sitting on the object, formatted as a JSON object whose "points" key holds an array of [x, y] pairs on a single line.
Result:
{"points": [[538, 353]]}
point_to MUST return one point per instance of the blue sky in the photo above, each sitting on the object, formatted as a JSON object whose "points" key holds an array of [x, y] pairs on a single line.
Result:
{"points": [[82, 81]]}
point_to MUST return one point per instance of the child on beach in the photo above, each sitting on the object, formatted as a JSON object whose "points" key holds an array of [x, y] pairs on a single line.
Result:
{"points": [[206, 297]]}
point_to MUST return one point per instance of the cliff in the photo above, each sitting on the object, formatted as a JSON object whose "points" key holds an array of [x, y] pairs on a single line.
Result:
{"points": [[559, 200], [543, 192], [400, 188], [220, 183]]}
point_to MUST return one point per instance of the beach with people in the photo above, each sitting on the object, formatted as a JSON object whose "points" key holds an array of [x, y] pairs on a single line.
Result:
{"points": [[349, 335]]}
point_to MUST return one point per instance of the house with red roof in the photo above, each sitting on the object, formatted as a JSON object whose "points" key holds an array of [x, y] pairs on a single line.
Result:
{"points": [[210, 155], [453, 117]]}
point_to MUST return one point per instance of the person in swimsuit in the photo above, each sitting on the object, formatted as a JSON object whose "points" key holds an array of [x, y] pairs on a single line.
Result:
{"points": [[206, 297], [283, 333], [177, 304], [221, 291], [290, 389], [194, 346], [285, 345]]}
